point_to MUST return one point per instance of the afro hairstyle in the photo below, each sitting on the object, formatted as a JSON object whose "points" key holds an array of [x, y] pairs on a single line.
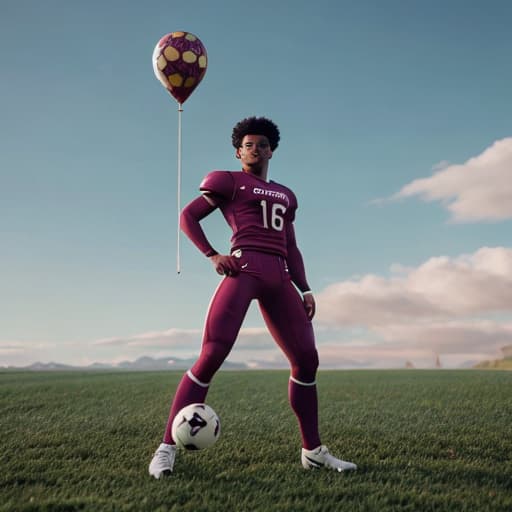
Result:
{"points": [[256, 126]]}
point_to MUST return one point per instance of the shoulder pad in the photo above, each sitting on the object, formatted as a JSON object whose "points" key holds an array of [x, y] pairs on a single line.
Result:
{"points": [[218, 183]]}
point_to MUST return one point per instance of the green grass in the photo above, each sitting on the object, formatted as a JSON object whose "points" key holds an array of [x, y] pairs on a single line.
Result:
{"points": [[423, 440]]}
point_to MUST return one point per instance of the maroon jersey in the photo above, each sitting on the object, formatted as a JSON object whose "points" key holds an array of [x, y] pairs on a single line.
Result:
{"points": [[256, 210]]}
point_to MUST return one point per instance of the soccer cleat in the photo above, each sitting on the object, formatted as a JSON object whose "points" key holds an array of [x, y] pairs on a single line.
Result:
{"points": [[163, 460], [321, 458]]}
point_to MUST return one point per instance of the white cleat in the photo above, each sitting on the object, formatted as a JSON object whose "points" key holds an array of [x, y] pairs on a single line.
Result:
{"points": [[321, 458], [163, 460]]}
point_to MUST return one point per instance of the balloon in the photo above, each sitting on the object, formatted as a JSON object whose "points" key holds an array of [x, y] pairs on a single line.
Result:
{"points": [[179, 62]]}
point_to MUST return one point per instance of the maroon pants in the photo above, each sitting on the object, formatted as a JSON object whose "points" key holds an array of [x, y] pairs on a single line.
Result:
{"points": [[263, 277]]}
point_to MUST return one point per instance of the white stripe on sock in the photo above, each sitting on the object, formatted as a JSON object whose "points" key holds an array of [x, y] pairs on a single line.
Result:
{"points": [[300, 383], [193, 378]]}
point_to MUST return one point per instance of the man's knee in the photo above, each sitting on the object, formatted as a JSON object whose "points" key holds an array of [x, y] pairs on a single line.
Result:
{"points": [[305, 366], [213, 354]]}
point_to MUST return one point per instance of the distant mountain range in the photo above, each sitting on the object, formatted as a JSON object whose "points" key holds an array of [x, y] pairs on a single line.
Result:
{"points": [[149, 364], [144, 363]]}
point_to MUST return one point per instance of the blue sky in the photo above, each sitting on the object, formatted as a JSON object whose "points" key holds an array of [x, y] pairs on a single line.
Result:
{"points": [[396, 138]]}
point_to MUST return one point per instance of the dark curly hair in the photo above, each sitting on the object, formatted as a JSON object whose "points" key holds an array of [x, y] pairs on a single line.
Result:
{"points": [[256, 126]]}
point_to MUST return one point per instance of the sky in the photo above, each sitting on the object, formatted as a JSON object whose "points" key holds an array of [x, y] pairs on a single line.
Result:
{"points": [[396, 136]]}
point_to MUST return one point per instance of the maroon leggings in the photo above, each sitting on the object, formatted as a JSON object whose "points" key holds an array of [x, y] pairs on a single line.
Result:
{"points": [[263, 277]]}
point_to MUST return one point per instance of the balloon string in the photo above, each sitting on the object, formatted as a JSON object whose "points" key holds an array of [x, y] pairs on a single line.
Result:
{"points": [[178, 263]]}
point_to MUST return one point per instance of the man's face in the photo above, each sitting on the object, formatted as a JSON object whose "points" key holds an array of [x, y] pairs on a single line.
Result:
{"points": [[255, 151]]}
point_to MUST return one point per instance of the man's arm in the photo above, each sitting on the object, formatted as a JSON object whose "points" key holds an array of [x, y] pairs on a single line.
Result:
{"points": [[298, 272], [190, 219]]}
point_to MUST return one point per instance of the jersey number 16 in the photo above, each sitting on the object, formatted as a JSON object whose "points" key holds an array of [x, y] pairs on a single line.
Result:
{"points": [[276, 215]]}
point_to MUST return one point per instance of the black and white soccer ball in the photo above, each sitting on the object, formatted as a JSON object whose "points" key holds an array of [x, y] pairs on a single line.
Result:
{"points": [[196, 427]]}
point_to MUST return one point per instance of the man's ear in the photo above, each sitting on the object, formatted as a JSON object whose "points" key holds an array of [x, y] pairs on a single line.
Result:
{"points": [[237, 153]]}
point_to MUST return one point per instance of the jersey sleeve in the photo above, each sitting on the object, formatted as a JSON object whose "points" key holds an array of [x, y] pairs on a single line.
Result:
{"points": [[293, 206], [190, 218], [219, 184]]}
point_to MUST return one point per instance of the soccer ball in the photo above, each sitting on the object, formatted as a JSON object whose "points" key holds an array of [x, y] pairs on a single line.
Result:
{"points": [[196, 427]]}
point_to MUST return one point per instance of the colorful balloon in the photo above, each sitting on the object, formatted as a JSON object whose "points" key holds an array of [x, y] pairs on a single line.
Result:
{"points": [[179, 63]]}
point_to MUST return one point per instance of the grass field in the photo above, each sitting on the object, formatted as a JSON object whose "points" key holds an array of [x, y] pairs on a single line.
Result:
{"points": [[423, 440]]}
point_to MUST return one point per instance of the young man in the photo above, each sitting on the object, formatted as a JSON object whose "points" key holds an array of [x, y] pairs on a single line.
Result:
{"points": [[265, 264]]}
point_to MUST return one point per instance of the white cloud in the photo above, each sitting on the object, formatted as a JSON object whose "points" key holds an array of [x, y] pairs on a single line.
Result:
{"points": [[478, 190], [23, 352], [8, 348], [250, 338], [255, 338], [451, 337], [478, 283], [154, 339], [458, 306], [373, 355]]}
